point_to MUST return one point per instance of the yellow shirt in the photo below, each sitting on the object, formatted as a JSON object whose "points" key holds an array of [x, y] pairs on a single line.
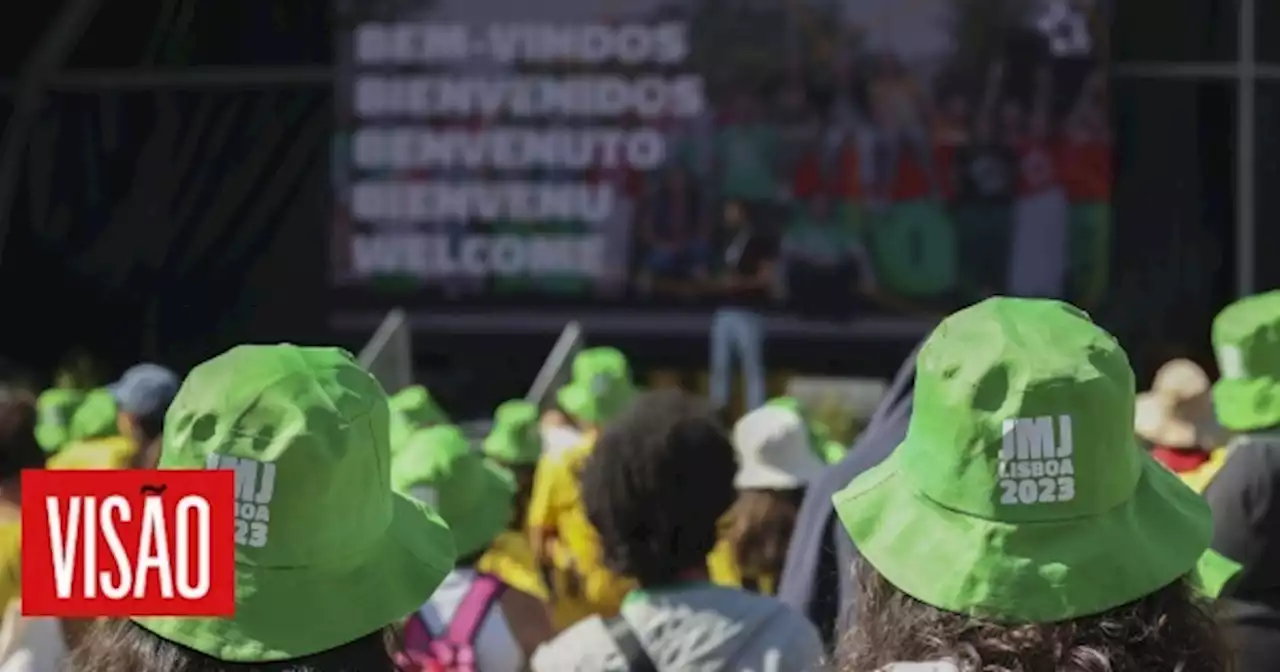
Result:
{"points": [[10, 559], [510, 558], [114, 452], [722, 566], [581, 586]]}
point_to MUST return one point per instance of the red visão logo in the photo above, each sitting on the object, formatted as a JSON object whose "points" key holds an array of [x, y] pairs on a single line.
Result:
{"points": [[128, 543]]}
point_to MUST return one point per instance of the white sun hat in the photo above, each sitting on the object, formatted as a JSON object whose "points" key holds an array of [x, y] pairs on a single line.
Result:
{"points": [[1177, 412], [773, 450]]}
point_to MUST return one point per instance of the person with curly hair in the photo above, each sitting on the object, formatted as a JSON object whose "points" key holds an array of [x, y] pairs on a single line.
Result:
{"points": [[655, 487], [1019, 526]]}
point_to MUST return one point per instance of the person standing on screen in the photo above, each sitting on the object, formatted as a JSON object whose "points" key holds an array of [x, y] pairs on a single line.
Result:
{"points": [[1037, 261], [737, 329]]}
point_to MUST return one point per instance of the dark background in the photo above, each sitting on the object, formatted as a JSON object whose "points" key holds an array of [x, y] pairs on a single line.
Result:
{"points": [[169, 223]]}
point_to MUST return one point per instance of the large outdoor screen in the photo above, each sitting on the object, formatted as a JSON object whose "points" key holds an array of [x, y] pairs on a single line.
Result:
{"points": [[906, 157]]}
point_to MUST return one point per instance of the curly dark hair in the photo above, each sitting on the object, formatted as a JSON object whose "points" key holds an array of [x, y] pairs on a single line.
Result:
{"points": [[658, 480], [1171, 629]]}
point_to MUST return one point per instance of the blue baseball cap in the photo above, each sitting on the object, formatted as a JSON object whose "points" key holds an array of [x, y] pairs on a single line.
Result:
{"points": [[145, 390]]}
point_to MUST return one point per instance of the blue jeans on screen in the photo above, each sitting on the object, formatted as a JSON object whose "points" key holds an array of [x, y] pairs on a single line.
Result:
{"points": [[740, 332]]}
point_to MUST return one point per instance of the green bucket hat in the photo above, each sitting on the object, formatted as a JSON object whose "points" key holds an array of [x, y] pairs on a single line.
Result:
{"points": [[515, 438], [601, 386], [418, 406], [55, 408], [1020, 467], [331, 553], [412, 409], [95, 418], [475, 496], [1246, 340]]}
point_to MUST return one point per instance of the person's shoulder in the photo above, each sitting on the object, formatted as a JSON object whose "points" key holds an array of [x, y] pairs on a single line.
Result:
{"points": [[799, 641], [748, 602], [551, 463], [1268, 440], [788, 619], [77, 455], [789, 632], [548, 462], [118, 445], [780, 612], [1251, 465], [584, 646], [105, 453], [577, 455], [1257, 455], [511, 559], [10, 539], [722, 564]]}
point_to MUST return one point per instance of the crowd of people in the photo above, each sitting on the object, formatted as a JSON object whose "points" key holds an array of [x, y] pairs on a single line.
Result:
{"points": [[846, 177], [1034, 515]]}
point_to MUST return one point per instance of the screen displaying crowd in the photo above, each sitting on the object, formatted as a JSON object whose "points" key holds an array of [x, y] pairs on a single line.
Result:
{"points": [[894, 155]]}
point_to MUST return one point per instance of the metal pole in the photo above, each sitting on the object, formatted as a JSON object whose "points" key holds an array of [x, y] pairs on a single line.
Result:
{"points": [[1245, 152]]}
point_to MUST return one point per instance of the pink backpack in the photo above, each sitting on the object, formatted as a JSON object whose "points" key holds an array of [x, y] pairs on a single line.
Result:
{"points": [[455, 651]]}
